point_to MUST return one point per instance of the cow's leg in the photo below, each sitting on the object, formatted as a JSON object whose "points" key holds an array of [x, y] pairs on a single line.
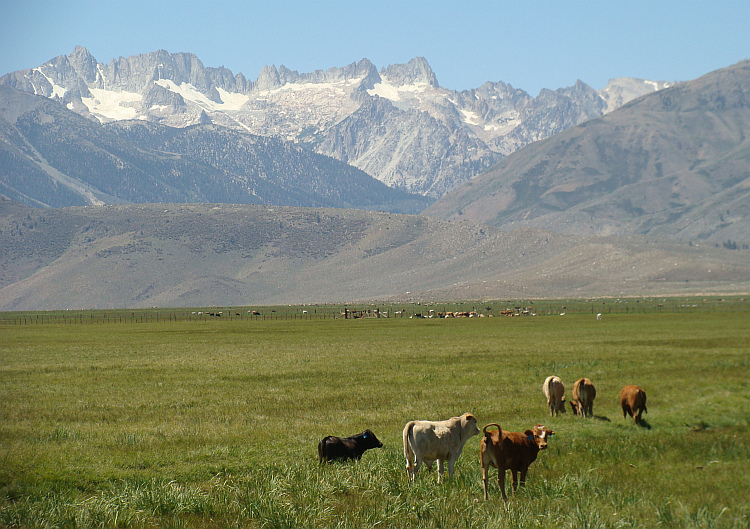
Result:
{"points": [[440, 470], [485, 478], [551, 406], [451, 464], [501, 482], [514, 479], [524, 469]]}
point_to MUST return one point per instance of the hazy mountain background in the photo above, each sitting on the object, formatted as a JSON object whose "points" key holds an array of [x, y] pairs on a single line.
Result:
{"points": [[51, 156], [397, 124], [650, 198]]}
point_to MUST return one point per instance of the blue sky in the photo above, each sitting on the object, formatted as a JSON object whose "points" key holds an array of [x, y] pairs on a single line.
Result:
{"points": [[529, 44]]}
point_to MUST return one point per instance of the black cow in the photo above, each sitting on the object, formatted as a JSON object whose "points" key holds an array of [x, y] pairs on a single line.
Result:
{"points": [[352, 447]]}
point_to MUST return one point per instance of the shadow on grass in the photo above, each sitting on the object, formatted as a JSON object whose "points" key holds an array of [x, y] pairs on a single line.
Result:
{"points": [[602, 418], [643, 423]]}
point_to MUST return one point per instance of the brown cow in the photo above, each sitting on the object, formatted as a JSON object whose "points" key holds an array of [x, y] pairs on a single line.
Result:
{"points": [[512, 451], [554, 390], [633, 402], [584, 394]]}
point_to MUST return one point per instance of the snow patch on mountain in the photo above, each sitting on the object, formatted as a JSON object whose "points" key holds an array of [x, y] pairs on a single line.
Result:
{"points": [[57, 90], [335, 87], [107, 105], [470, 118], [232, 101], [398, 92], [189, 93]]}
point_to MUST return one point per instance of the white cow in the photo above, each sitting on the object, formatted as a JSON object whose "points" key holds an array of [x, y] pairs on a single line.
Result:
{"points": [[427, 441], [554, 390]]}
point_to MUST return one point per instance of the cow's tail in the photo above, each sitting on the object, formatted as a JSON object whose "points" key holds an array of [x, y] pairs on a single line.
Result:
{"points": [[408, 446], [488, 434]]}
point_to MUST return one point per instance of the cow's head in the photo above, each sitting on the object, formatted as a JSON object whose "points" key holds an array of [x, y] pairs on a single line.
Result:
{"points": [[561, 406], [469, 424], [574, 404], [539, 435], [369, 440]]}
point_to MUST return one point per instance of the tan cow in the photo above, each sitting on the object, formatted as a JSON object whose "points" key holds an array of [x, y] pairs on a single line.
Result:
{"points": [[584, 394], [427, 441], [633, 402], [512, 451], [554, 390]]}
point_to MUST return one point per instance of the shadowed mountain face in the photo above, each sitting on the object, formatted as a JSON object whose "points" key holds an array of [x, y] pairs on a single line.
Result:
{"points": [[172, 255], [672, 164], [53, 157]]}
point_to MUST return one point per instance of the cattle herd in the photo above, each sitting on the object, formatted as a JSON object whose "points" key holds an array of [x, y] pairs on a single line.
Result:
{"points": [[428, 441]]}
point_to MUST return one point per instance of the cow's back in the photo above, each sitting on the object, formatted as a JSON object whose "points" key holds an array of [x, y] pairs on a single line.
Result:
{"points": [[588, 391], [554, 391], [584, 390], [430, 439], [584, 394], [633, 401], [554, 387]]}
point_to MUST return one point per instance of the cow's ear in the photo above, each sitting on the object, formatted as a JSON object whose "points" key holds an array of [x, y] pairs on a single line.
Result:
{"points": [[529, 435], [364, 436], [550, 433]]}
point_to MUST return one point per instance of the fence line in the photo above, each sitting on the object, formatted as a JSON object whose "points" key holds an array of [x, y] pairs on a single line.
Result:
{"points": [[407, 310]]}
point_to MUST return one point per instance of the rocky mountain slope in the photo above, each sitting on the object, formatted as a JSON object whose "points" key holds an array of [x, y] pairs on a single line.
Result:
{"points": [[673, 164], [398, 124], [201, 254], [53, 157]]}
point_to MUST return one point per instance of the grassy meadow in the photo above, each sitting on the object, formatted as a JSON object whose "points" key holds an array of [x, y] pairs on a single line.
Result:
{"points": [[215, 423]]}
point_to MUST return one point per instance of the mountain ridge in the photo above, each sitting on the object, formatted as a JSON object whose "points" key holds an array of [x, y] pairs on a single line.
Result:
{"points": [[482, 124], [176, 255], [675, 163], [54, 157]]}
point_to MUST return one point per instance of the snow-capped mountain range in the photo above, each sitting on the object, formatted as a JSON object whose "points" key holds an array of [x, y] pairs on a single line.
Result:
{"points": [[397, 124]]}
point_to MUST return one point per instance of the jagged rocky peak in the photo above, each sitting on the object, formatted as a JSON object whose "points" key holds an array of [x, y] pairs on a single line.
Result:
{"points": [[138, 71], [415, 71], [363, 69], [84, 63], [270, 77]]}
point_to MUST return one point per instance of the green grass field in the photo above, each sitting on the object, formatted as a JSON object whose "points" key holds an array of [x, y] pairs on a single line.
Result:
{"points": [[216, 423]]}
